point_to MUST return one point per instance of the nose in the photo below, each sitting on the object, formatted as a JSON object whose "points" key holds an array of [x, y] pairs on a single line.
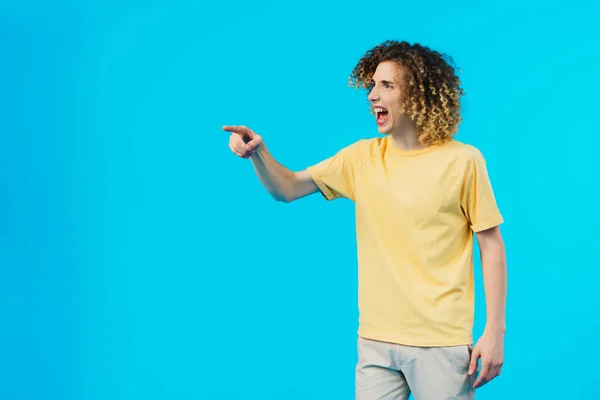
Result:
{"points": [[373, 95]]}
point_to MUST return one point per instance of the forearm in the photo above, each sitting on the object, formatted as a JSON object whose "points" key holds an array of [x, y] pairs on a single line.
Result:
{"points": [[276, 178], [493, 262]]}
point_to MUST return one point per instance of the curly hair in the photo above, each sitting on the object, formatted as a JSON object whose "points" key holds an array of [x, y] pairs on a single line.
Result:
{"points": [[431, 98]]}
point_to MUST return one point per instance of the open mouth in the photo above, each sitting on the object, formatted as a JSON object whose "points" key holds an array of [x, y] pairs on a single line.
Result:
{"points": [[382, 115]]}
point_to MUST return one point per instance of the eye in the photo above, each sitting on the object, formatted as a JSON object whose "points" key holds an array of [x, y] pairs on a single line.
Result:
{"points": [[387, 86]]}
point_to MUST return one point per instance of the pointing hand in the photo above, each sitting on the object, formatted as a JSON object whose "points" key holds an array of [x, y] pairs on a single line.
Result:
{"points": [[243, 141]]}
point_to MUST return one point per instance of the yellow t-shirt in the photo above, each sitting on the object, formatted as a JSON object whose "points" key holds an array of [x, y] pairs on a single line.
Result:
{"points": [[416, 212]]}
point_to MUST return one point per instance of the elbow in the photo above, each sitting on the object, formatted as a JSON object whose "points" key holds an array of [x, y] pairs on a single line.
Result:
{"points": [[281, 198], [286, 192]]}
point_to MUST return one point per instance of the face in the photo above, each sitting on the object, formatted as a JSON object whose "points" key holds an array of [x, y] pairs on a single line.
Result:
{"points": [[385, 97]]}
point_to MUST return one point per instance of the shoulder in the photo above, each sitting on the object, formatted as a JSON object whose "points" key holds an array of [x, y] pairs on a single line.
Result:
{"points": [[371, 145], [364, 149], [464, 153]]}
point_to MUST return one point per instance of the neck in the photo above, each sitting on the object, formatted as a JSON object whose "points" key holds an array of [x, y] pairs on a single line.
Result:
{"points": [[405, 137]]}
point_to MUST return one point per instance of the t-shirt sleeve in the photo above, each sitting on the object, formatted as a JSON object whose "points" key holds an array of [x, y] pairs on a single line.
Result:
{"points": [[477, 200], [335, 175]]}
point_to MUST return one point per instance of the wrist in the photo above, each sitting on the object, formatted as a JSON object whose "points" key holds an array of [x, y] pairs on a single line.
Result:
{"points": [[496, 329], [259, 151]]}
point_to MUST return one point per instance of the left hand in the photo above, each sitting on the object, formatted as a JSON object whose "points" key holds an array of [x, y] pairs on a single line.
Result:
{"points": [[490, 348]]}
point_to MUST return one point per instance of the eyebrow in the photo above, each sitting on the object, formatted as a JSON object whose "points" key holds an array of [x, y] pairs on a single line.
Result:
{"points": [[383, 81]]}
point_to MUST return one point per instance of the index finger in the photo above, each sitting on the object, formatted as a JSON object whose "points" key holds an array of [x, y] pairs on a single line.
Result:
{"points": [[240, 130], [483, 378]]}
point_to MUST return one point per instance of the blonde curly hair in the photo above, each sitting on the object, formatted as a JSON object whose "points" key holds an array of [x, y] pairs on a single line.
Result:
{"points": [[432, 96]]}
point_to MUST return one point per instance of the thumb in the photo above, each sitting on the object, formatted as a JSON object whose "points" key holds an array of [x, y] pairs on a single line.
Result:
{"points": [[474, 359], [253, 144]]}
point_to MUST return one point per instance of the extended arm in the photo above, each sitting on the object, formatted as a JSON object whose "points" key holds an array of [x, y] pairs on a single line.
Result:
{"points": [[283, 184]]}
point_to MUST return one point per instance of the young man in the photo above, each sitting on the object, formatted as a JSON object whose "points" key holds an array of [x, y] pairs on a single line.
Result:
{"points": [[419, 196]]}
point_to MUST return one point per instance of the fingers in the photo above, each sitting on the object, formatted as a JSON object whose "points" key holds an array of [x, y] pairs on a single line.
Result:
{"points": [[240, 130], [483, 377], [474, 359], [238, 147], [251, 145], [243, 141], [489, 371]]}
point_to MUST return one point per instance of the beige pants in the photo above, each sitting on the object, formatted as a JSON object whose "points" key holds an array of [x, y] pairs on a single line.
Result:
{"points": [[387, 371]]}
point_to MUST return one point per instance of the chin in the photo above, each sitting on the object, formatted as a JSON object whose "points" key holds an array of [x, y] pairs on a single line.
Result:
{"points": [[384, 130]]}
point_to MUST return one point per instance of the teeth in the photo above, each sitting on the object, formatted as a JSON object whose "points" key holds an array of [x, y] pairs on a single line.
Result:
{"points": [[379, 109]]}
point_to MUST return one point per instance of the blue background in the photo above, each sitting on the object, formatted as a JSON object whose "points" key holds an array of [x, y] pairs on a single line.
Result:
{"points": [[140, 259]]}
